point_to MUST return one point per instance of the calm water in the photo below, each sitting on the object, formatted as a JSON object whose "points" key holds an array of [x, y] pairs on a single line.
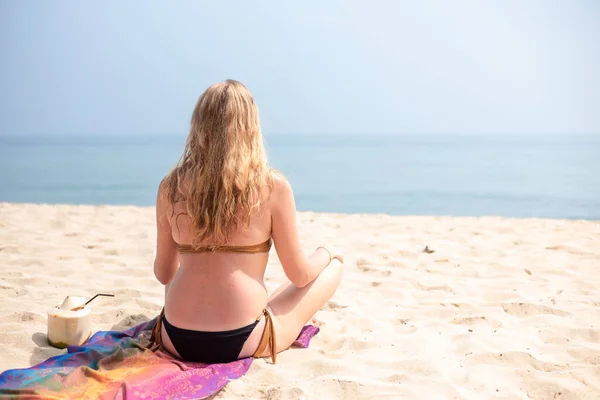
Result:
{"points": [[527, 176]]}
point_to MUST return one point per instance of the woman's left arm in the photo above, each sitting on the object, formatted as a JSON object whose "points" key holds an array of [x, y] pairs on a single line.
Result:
{"points": [[166, 261]]}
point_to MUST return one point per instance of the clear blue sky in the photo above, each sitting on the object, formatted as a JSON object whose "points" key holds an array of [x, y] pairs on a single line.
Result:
{"points": [[137, 67]]}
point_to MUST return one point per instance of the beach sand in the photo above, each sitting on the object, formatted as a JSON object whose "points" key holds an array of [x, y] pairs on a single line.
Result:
{"points": [[503, 308]]}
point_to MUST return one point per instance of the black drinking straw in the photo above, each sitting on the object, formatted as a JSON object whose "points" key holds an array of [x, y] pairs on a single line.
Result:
{"points": [[99, 294], [88, 302]]}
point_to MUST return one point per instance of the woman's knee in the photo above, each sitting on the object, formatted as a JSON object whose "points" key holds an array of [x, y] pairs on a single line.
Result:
{"points": [[338, 266], [334, 273]]}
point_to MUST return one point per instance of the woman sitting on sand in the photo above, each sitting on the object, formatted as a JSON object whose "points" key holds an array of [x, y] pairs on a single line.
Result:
{"points": [[217, 214]]}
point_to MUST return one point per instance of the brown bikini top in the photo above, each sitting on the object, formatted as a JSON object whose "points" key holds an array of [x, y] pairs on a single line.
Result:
{"points": [[263, 247]]}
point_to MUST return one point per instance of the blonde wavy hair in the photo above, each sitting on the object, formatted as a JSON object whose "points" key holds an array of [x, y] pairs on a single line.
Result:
{"points": [[223, 171]]}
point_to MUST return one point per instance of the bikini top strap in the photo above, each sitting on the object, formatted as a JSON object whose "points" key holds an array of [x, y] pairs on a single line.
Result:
{"points": [[263, 247]]}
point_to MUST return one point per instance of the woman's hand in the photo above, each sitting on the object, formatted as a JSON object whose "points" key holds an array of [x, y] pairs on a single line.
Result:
{"points": [[336, 254]]}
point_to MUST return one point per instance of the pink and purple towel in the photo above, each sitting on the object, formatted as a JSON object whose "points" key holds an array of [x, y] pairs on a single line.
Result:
{"points": [[117, 365]]}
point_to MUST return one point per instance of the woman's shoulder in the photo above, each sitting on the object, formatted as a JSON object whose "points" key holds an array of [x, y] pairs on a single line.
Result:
{"points": [[276, 175], [280, 190], [171, 189], [279, 181]]}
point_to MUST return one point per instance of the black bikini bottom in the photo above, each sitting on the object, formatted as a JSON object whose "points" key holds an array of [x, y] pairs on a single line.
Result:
{"points": [[211, 347], [208, 347]]}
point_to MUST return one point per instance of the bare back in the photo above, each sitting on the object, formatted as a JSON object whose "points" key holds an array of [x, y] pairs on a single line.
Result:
{"points": [[217, 291]]}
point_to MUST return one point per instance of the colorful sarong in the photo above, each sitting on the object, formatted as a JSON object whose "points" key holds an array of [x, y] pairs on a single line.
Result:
{"points": [[117, 365]]}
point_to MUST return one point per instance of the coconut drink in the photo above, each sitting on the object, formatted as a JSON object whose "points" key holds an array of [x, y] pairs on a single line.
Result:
{"points": [[70, 324]]}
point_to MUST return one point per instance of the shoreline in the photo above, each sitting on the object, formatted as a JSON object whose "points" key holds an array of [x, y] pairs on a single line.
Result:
{"points": [[503, 307], [323, 213]]}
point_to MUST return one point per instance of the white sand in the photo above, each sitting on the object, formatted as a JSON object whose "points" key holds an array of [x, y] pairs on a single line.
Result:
{"points": [[504, 308]]}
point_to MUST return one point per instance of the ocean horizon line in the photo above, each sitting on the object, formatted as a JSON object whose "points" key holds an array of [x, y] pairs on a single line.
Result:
{"points": [[308, 134]]}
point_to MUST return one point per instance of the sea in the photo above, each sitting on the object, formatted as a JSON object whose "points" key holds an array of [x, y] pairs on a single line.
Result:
{"points": [[545, 176]]}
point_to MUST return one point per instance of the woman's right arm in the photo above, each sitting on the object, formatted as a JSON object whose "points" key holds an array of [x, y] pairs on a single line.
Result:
{"points": [[299, 268]]}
